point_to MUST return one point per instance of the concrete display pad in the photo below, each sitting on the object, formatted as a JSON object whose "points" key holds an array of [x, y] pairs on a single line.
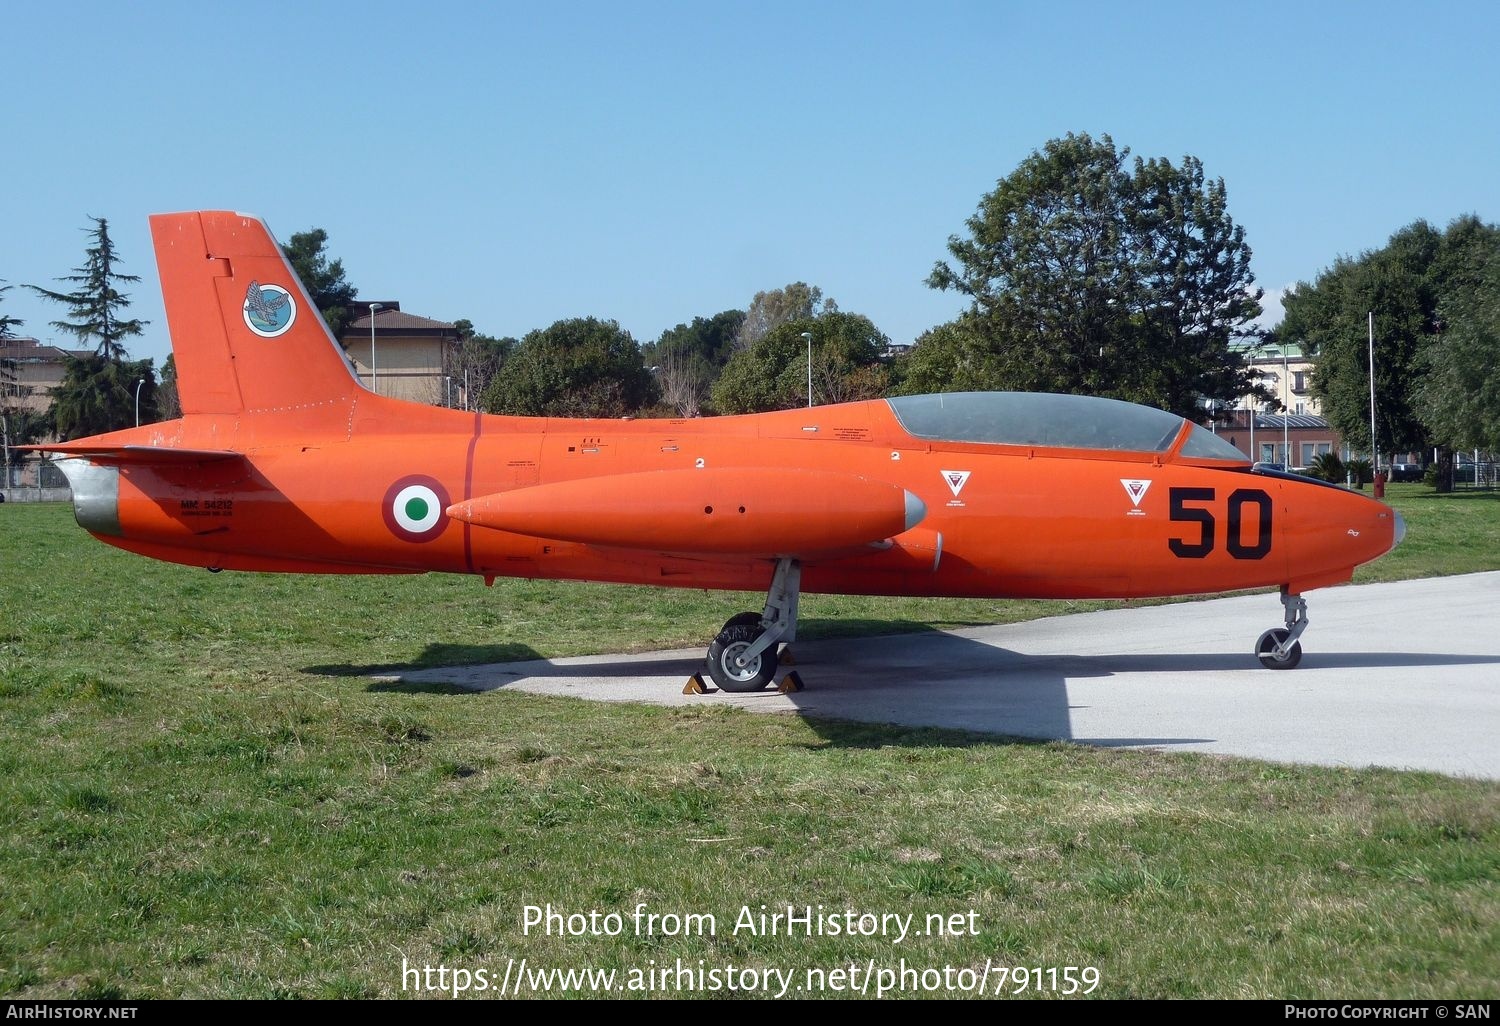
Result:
{"points": [[1403, 675]]}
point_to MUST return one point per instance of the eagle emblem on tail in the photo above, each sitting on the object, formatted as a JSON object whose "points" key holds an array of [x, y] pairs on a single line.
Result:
{"points": [[269, 309]]}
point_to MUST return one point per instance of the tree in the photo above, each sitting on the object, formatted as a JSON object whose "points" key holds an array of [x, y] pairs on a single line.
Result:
{"points": [[1408, 284], [20, 426], [583, 367], [951, 357], [323, 279], [689, 358], [97, 395], [95, 304], [1458, 398], [772, 374], [8, 379], [796, 302], [480, 358], [7, 323], [168, 401], [1089, 278]]}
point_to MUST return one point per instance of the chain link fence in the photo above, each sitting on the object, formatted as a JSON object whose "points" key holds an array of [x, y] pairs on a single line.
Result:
{"points": [[1476, 476]]}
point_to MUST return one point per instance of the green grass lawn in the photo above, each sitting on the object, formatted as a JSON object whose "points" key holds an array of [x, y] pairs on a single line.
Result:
{"points": [[200, 795]]}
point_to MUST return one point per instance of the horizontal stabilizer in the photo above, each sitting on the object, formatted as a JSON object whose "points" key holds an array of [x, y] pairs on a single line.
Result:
{"points": [[755, 511], [144, 455]]}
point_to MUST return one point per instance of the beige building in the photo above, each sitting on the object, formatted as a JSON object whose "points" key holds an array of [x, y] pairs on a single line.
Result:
{"points": [[29, 371], [1287, 371], [409, 357], [1296, 433]]}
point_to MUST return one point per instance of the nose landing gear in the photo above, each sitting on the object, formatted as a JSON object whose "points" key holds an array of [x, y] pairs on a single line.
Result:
{"points": [[1278, 648]]}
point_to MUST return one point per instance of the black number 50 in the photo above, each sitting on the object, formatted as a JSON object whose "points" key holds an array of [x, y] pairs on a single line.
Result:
{"points": [[1198, 548]]}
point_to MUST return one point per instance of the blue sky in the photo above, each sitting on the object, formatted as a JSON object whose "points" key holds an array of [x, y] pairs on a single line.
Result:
{"points": [[649, 162]]}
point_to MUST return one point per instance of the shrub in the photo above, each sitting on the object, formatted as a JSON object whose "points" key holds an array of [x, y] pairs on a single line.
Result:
{"points": [[1362, 472], [1327, 467]]}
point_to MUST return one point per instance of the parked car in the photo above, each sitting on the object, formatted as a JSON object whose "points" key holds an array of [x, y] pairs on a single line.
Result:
{"points": [[1406, 471]]}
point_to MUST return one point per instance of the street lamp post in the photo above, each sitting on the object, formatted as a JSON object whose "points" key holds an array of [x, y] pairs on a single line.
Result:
{"points": [[373, 373], [138, 383], [808, 335], [1254, 456], [1286, 412], [1374, 447]]}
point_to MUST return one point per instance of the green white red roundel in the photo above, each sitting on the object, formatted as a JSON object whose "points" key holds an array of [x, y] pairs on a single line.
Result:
{"points": [[413, 508]]}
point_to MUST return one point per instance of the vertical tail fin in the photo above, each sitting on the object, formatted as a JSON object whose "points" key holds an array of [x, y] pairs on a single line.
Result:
{"points": [[245, 335]]}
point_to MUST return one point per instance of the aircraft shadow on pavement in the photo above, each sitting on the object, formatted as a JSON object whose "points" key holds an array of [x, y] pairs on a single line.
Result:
{"points": [[872, 680], [432, 656], [919, 682], [1201, 662]]}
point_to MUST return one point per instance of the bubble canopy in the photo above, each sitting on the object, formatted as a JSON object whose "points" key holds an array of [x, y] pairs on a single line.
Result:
{"points": [[1053, 421]]}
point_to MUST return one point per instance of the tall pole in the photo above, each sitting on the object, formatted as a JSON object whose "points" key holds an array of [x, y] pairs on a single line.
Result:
{"points": [[1253, 455], [138, 383], [373, 308], [1286, 411], [5, 436], [808, 335], [1374, 448]]}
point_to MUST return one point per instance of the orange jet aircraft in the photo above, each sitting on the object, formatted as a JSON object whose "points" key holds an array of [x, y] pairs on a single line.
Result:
{"points": [[283, 462]]}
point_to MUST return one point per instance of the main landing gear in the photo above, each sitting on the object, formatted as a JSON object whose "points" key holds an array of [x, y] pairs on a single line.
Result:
{"points": [[743, 656], [1278, 648]]}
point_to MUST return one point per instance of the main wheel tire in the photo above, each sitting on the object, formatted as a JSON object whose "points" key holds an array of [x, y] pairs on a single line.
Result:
{"points": [[732, 641], [741, 620], [1265, 650]]}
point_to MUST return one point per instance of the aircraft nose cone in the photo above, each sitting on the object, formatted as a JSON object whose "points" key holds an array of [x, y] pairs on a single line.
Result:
{"points": [[1400, 530]]}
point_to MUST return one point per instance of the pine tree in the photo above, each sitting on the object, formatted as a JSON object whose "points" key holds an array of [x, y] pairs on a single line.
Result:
{"points": [[323, 278], [97, 395], [95, 305], [7, 323], [7, 367]]}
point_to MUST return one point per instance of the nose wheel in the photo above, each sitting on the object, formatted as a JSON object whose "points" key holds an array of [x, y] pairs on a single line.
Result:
{"points": [[1273, 651], [1278, 648]]}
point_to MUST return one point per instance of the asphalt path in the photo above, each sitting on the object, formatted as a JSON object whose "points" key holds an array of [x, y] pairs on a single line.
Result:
{"points": [[1403, 675]]}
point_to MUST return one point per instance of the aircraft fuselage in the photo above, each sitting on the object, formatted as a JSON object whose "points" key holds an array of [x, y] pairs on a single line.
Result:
{"points": [[1000, 520]]}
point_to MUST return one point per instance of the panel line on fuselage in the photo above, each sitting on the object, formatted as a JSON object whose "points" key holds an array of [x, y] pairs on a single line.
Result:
{"points": [[469, 488]]}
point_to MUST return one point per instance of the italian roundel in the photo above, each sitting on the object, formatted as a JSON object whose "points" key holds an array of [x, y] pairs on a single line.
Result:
{"points": [[413, 508]]}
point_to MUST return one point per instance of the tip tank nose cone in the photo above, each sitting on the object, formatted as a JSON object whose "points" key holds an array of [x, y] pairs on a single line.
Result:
{"points": [[916, 511]]}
